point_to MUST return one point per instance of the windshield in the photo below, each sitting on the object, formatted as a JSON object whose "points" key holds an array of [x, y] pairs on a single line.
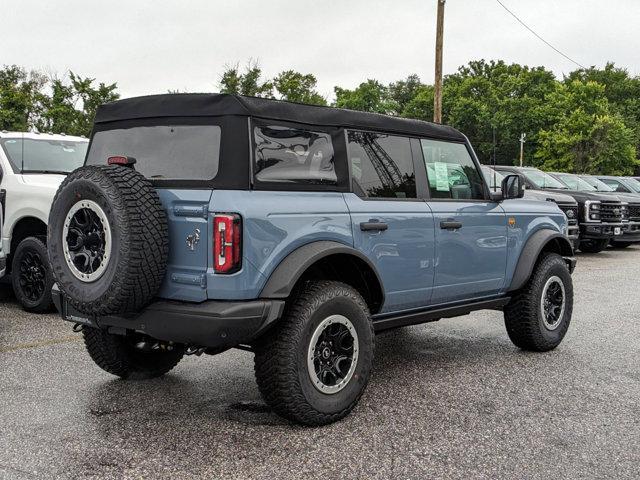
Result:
{"points": [[574, 182], [597, 184], [633, 184], [494, 178], [44, 156], [543, 180]]}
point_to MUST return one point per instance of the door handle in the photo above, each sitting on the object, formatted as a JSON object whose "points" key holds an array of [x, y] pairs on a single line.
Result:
{"points": [[450, 225], [373, 225]]}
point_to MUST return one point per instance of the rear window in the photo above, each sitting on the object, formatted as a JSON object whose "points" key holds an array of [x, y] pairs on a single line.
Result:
{"points": [[173, 152]]}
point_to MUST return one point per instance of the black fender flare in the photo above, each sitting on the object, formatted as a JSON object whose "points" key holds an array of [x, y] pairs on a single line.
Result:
{"points": [[531, 251], [284, 277]]}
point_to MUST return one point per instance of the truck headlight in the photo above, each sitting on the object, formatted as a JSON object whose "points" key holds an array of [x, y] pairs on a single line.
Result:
{"points": [[592, 211]]}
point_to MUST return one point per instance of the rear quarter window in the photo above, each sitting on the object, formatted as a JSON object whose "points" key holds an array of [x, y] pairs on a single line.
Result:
{"points": [[292, 155], [167, 152]]}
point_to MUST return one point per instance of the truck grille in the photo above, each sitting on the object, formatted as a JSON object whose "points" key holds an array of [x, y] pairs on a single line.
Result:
{"points": [[571, 211], [634, 212], [613, 212]]}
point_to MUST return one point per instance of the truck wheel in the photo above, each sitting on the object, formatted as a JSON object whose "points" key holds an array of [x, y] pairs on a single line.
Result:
{"points": [[131, 357], [108, 240], [31, 276], [593, 246], [314, 365], [538, 316]]}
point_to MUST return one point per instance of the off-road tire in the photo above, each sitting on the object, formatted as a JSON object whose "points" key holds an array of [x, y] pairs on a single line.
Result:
{"points": [[593, 246], [116, 354], [32, 246], [523, 316], [615, 244], [281, 355], [139, 236]]}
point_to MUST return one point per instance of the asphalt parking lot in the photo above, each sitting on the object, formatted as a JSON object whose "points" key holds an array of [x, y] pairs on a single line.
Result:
{"points": [[452, 399]]}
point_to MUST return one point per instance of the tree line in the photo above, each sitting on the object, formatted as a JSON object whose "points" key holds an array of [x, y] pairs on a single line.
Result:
{"points": [[586, 122]]}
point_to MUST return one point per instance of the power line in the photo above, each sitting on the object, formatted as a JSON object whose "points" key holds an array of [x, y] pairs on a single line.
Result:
{"points": [[539, 37]]}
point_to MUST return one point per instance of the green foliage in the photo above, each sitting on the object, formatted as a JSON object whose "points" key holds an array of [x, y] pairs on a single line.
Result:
{"points": [[484, 96], [297, 87], [249, 83], [21, 97], [370, 96], [72, 107], [29, 100], [585, 136]]}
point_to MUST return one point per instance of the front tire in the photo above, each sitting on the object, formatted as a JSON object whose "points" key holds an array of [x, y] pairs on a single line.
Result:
{"points": [[538, 316], [130, 357], [593, 246], [31, 276], [313, 367]]}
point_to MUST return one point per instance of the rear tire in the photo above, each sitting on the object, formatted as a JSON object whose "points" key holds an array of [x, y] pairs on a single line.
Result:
{"points": [[538, 316], [118, 355], [593, 246], [31, 276], [314, 365]]}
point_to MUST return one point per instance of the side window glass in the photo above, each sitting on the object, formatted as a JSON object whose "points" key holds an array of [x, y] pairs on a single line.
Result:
{"points": [[381, 165], [293, 155], [617, 186], [570, 182], [451, 171]]}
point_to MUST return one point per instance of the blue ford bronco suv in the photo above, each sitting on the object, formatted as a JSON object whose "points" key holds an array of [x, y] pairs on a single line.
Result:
{"points": [[203, 222]]}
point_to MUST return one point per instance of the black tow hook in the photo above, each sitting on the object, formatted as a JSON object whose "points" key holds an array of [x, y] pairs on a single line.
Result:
{"points": [[77, 327], [192, 350]]}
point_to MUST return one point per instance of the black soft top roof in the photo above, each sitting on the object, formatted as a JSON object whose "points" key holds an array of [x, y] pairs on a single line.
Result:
{"points": [[217, 104]]}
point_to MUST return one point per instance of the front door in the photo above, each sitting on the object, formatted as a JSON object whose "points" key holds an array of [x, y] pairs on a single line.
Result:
{"points": [[391, 226], [471, 231]]}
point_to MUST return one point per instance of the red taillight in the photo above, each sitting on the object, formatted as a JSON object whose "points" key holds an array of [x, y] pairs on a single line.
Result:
{"points": [[227, 242]]}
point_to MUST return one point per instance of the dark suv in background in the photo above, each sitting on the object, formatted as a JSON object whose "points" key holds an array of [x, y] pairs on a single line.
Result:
{"points": [[601, 217], [586, 183]]}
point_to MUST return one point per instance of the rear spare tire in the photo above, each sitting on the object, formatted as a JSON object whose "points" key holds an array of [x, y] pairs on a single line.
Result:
{"points": [[107, 240]]}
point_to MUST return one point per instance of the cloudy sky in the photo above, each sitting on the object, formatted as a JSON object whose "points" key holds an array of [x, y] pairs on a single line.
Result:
{"points": [[152, 46]]}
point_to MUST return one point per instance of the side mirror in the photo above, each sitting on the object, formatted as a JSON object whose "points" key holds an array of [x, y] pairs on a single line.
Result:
{"points": [[513, 186]]}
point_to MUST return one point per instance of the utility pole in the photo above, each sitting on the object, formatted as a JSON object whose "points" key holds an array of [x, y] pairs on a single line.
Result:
{"points": [[437, 91], [522, 140]]}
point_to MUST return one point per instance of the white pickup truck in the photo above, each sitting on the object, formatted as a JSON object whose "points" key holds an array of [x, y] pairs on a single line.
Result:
{"points": [[32, 166], [3, 256]]}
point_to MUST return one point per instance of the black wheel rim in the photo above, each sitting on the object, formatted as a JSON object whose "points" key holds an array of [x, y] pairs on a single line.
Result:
{"points": [[333, 354], [87, 241], [553, 302], [32, 276]]}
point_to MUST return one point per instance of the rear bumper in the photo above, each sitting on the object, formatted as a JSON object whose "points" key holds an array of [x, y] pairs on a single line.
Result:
{"points": [[213, 324]]}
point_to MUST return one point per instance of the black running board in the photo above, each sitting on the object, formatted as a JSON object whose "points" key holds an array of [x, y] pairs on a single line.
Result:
{"points": [[385, 322]]}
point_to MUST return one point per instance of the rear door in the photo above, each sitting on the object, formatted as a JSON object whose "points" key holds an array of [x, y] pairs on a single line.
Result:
{"points": [[390, 223], [471, 231]]}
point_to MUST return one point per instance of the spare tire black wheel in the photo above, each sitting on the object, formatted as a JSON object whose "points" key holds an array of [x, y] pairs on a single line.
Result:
{"points": [[108, 240]]}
